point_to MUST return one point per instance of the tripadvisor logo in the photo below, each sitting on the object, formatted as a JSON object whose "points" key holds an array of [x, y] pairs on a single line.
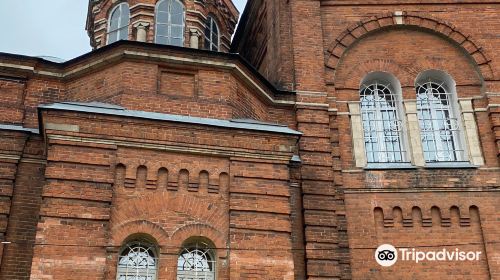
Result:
{"points": [[387, 255]]}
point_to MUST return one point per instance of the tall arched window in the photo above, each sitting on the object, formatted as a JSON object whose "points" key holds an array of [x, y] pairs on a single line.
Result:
{"points": [[169, 23], [196, 261], [118, 23], [211, 35], [437, 114], [137, 261], [380, 100]]}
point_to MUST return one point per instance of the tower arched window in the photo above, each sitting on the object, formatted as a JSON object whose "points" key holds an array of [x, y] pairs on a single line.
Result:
{"points": [[196, 261], [118, 23], [437, 109], [211, 34], [137, 260], [381, 110], [169, 25]]}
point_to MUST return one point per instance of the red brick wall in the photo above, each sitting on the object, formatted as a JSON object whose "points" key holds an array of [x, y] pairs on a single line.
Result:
{"points": [[98, 195], [265, 41], [335, 44], [22, 182]]}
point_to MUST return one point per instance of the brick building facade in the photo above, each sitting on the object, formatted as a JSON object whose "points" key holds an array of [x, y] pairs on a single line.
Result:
{"points": [[323, 130]]}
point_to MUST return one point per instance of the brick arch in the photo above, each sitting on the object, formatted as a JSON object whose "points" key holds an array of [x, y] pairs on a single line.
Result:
{"points": [[369, 25], [221, 13], [121, 232], [154, 205], [405, 76], [110, 6], [222, 22], [198, 230]]}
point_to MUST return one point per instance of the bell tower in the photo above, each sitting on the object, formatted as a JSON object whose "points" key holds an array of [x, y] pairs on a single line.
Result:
{"points": [[199, 24]]}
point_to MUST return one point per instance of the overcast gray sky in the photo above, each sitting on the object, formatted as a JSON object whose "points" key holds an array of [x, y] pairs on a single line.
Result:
{"points": [[48, 27]]}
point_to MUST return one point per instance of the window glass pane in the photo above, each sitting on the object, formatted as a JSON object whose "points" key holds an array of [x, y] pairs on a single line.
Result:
{"points": [[125, 14], [176, 42], [177, 31], [381, 123], [162, 17], [113, 37], [216, 42], [123, 33], [113, 24], [196, 262], [137, 261], [177, 7], [163, 6], [162, 40], [439, 127], [161, 30], [177, 18]]}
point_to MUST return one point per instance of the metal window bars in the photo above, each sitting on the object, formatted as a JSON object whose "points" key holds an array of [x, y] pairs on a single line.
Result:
{"points": [[196, 262], [137, 262], [440, 128], [382, 125]]}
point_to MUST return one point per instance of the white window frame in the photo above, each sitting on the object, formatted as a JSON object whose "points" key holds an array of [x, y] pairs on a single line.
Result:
{"points": [[121, 29], [199, 248], [399, 156], [169, 22], [210, 23], [434, 127], [126, 272]]}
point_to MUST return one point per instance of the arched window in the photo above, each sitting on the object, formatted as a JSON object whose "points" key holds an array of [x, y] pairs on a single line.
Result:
{"points": [[211, 35], [169, 23], [380, 101], [137, 261], [196, 261], [118, 23], [437, 114]]}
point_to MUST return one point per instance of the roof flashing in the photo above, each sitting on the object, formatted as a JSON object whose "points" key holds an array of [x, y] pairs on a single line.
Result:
{"points": [[113, 110]]}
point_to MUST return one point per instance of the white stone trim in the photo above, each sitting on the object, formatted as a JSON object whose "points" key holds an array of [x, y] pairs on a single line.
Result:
{"points": [[62, 127], [204, 150], [142, 14], [194, 12], [471, 133], [398, 16], [415, 141], [311, 93], [312, 104], [358, 138], [143, 5]]}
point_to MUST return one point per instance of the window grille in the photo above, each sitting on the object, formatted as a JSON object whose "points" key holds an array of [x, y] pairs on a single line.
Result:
{"points": [[439, 125], [196, 262], [118, 23], [211, 35], [137, 261], [169, 26], [382, 125]]}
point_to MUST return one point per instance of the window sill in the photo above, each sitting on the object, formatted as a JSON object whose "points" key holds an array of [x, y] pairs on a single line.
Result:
{"points": [[389, 165], [456, 164]]}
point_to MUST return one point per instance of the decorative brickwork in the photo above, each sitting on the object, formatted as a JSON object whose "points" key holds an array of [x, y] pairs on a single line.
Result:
{"points": [[258, 158]]}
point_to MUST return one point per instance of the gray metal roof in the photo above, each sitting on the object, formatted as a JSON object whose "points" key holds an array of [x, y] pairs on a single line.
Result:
{"points": [[18, 128], [109, 109]]}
